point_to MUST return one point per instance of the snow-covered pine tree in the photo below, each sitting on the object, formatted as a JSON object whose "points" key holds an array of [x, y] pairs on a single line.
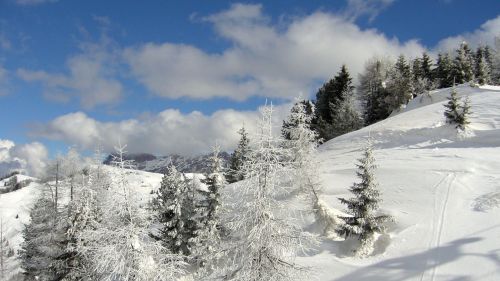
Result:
{"points": [[238, 157], [495, 62], [291, 122], [43, 252], [207, 248], [482, 67], [444, 71], [372, 90], [171, 204], [265, 239], [347, 118], [399, 85], [464, 116], [328, 101], [120, 246], [453, 111], [6, 252], [364, 221], [463, 64]]}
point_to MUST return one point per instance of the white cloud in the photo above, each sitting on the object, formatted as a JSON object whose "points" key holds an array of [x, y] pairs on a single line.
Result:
{"points": [[370, 8], [263, 59], [169, 131], [484, 35], [90, 78], [30, 157]]}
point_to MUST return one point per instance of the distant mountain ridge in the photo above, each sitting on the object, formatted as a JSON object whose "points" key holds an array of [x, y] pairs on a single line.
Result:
{"points": [[185, 164]]}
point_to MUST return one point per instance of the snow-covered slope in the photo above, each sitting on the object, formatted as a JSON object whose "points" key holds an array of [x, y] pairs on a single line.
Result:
{"points": [[442, 189]]}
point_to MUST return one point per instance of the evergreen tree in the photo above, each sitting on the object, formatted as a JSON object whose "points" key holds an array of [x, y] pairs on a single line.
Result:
{"points": [[120, 247], [427, 71], [399, 84], [422, 75], [495, 62], [364, 221], [372, 90], [452, 111], [238, 158], [292, 122], [482, 67], [346, 119], [463, 118], [6, 252], [44, 248], [209, 230], [264, 238], [173, 206], [444, 71], [329, 99], [463, 65]]}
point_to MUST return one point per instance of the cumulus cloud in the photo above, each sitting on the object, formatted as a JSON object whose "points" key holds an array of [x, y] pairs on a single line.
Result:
{"points": [[484, 35], [90, 78], [169, 131], [30, 158], [263, 59]]}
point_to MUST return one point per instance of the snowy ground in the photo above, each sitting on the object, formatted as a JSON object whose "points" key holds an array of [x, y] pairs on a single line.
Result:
{"points": [[442, 189]]}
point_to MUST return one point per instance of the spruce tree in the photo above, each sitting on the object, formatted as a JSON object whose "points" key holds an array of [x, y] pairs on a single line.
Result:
{"points": [[452, 111], [364, 221], [209, 231], [373, 91], [328, 100], [293, 122], [463, 64], [482, 67], [444, 71], [171, 203], [346, 119], [238, 158], [399, 84], [463, 118], [427, 71]]}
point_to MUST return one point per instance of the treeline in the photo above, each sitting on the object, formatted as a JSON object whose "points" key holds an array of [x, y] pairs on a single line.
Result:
{"points": [[386, 86]]}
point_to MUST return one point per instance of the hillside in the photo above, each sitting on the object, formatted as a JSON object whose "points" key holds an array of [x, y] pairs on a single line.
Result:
{"points": [[443, 190]]}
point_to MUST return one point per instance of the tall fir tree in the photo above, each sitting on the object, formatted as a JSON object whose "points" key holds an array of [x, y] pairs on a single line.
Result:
{"points": [[238, 158], [427, 68], [173, 204], [444, 71], [373, 91], [482, 67], [463, 64], [292, 122], [399, 84], [452, 111], [208, 240], [364, 221]]}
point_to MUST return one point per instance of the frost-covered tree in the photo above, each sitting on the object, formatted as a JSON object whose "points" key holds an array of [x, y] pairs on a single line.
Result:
{"points": [[238, 158], [71, 168], [463, 64], [6, 251], [346, 119], [364, 221], [457, 114], [174, 209], [482, 66], [208, 240], [372, 90], [330, 102], [399, 85], [292, 122], [265, 239], [495, 62], [444, 71], [43, 252], [120, 246]]}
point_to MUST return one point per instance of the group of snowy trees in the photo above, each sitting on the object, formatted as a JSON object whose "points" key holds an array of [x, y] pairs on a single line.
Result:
{"points": [[385, 86]]}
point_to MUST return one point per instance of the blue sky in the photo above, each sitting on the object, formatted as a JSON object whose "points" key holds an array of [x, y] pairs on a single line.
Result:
{"points": [[82, 72]]}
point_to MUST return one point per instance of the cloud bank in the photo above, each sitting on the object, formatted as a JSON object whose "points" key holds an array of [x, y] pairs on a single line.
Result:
{"points": [[30, 158]]}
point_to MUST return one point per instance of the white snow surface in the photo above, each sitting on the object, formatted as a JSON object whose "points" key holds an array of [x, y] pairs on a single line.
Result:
{"points": [[443, 190]]}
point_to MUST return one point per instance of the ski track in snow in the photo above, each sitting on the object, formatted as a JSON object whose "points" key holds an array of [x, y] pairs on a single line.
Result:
{"points": [[449, 179]]}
